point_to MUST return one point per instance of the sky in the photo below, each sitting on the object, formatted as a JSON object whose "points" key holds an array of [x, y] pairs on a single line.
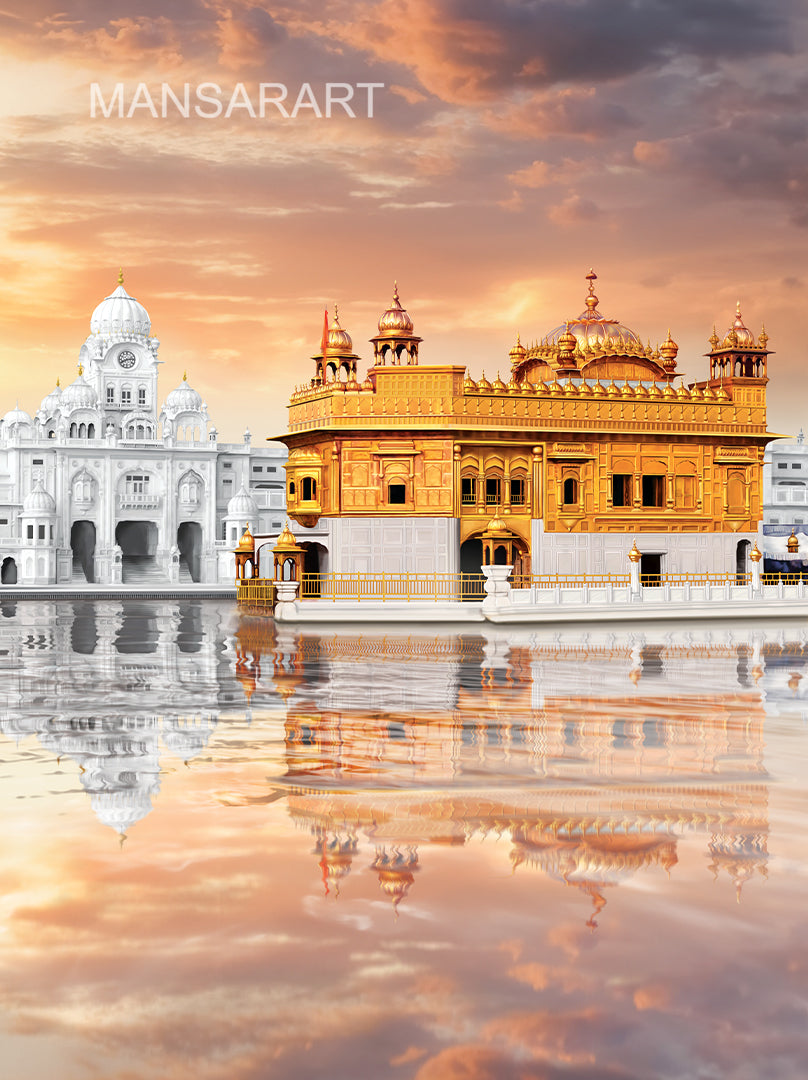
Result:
{"points": [[512, 146]]}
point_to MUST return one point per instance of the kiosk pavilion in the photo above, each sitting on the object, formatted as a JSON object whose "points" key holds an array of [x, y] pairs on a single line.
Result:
{"points": [[587, 445]]}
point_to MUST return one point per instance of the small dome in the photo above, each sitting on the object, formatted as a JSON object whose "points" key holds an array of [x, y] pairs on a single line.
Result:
{"points": [[120, 313], [395, 320], [339, 340], [518, 352], [38, 501], [738, 334], [183, 398], [242, 506], [51, 401], [247, 541], [79, 395], [303, 454], [16, 417]]}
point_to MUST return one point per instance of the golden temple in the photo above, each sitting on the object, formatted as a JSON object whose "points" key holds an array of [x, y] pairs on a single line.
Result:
{"points": [[590, 440]]}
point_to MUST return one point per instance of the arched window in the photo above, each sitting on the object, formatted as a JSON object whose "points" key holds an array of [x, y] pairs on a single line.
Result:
{"points": [[397, 494], [518, 487], [468, 490], [493, 490], [82, 431], [570, 491], [291, 487], [309, 488], [91, 431]]}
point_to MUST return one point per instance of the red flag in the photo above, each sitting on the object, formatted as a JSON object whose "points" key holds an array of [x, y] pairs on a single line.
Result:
{"points": [[324, 342]]}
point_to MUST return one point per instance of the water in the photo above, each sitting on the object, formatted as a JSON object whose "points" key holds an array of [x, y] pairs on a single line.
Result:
{"points": [[236, 852]]}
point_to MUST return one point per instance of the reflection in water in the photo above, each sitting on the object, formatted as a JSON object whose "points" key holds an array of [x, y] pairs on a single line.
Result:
{"points": [[399, 850]]}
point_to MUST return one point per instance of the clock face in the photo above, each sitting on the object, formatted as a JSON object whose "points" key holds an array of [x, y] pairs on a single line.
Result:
{"points": [[126, 359]]}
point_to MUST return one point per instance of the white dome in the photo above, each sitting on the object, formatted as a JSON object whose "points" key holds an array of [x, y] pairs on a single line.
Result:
{"points": [[120, 810], [17, 416], [242, 505], [183, 399], [51, 401], [38, 501], [120, 313], [79, 395]]}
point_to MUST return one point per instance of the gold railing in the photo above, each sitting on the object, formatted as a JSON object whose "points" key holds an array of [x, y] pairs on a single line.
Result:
{"points": [[727, 578], [385, 587], [787, 579], [256, 592], [566, 581]]}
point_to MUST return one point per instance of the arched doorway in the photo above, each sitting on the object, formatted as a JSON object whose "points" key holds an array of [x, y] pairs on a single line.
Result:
{"points": [[82, 544], [138, 543], [742, 560], [471, 556], [315, 564], [189, 541], [8, 572]]}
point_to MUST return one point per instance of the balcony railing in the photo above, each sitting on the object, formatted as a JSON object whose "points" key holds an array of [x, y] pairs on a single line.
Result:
{"points": [[138, 501]]}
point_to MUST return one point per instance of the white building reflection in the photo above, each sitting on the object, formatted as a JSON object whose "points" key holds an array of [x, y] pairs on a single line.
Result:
{"points": [[115, 686]]}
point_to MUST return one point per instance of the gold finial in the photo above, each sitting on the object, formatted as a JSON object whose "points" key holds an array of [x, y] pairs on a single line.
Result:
{"points": [[395, 292], [336, 312], [635, 554], [81, 369], [591, 299], [738, 309], [755, 554], [58, 381], [120, 276], [185, 376], [519, 342]]}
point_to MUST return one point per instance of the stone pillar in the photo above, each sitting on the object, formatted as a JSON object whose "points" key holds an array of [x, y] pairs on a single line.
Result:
{"points": [[755, 557], [497, 588], [285, 603], [634, 559]]}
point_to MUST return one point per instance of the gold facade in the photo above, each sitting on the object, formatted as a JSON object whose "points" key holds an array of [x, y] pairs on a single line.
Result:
{"points": [[589, 434]]}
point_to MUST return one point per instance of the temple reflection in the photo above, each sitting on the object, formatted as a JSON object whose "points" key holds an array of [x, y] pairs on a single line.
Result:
{"points": [[591, 755], [594, 757]]}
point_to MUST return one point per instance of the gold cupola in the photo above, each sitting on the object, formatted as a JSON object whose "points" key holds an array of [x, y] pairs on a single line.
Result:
{"points": [[395, 342], [668, 350], [336, 361]]}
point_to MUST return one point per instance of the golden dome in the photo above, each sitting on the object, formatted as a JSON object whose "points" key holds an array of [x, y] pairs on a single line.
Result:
{"points": [[303, 454], [640, 390], [498, 384], [793, 543], [708, 394], [635, 554], [286, 541], [395, 320], [654, 391], [339, 340], [626, 390], [496, 525], [483, 383], [683, 392], [592, 330], [668, 351], [763, 341], [570, 388], [612, 390], [469, 385], [597, 389], [738, 334], [668, 391], [518, 352], [722, 394], [247, 541], [696, 393]]}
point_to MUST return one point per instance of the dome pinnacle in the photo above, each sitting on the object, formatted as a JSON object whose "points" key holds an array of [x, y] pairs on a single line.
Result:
{"points": [[120, 275]]}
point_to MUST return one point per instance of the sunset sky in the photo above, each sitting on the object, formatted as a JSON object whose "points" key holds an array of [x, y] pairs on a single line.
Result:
{"points": [[513, 146]]}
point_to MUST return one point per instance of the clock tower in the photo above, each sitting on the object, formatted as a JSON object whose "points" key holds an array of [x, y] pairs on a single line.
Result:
{"points": [[120, 361]]}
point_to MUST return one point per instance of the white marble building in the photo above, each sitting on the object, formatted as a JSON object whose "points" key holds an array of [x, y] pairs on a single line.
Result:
{"points": [[785, 483], [106, 484]]}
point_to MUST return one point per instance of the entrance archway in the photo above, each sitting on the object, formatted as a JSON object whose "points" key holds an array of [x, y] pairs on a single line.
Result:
{"points": [[742, 560], [189, 541], [315, 563], [138, 543], [8, 572], [471, 556], [82, 544]]}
